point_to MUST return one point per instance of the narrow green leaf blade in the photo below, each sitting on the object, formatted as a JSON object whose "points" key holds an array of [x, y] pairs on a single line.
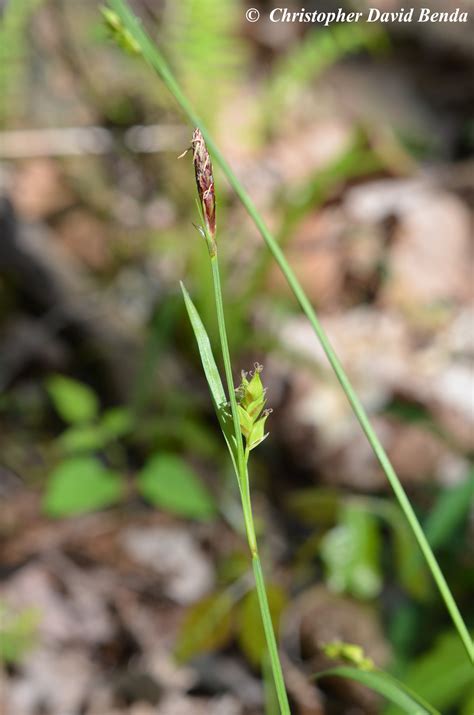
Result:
{"points": [[207, 358], [384, 685], [211, 372]]}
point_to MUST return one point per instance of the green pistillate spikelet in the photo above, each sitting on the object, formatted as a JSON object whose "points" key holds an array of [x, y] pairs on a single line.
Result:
{"points": [[350, 653], [119, 33], [251, 405]]}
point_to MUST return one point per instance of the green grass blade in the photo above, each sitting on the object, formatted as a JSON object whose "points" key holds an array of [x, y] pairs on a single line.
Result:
{"points": [[385, 685], [211, 372], [154, 58]]}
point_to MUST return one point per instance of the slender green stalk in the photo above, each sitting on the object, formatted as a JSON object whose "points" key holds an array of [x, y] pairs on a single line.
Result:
{"points": [[242, 458], [154, 58], [270, 635]]}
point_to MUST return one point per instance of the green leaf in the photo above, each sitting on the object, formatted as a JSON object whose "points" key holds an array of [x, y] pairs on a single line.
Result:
{"points": [[81, 438], [168, 482], [449, 511], [116, 422], [207, 626], [385, 685], [251, 635], [73, 401], [351, 553], [212, 374], [81, 484], [442, 675]]}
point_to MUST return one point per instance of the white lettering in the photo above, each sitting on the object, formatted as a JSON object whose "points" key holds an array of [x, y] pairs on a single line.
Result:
{"points": [[373, 15]]}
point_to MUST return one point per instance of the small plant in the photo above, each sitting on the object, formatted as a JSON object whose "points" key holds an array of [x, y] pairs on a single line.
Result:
{"points": [[228, 412], [242, 415], [89, 472]]}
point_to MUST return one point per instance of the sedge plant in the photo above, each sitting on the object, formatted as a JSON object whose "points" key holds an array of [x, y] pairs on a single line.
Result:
{"points": [[242, 415], [127, 26], [132, 28]]}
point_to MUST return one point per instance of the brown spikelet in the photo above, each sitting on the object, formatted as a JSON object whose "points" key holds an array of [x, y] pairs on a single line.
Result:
{"points": [[204, 181]]}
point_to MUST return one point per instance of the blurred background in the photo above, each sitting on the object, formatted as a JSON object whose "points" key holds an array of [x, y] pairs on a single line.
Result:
{"points": [[124, 576]]}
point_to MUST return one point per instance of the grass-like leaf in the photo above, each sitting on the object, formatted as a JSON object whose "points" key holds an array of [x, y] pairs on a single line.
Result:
{"points": [[211, 372], [385, 685]]}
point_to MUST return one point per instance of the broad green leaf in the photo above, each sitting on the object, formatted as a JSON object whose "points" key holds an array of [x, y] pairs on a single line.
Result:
{"points": [[211, 372], [81, 438], [207, 626], [169, 483], [443, 675], [251, 635], [81, 484], [385, 685], [74, 401], [116, 422], [351, 553]]}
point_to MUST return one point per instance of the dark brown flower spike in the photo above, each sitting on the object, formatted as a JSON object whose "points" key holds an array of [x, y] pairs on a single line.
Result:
{"points": [[204, 181]]}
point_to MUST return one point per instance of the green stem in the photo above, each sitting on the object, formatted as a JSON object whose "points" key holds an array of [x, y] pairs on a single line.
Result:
{"points": [[242, 459], [154, 58], [270, 635]]}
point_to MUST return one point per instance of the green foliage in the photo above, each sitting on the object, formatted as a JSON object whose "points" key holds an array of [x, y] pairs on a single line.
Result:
{"points": [[73, 401], [18, 633], [14, 48], [208, 625], [449, 511], [387, 686], [81, 438], [351, 553], [169, 483], [158, 63], [93, 436], [79, 485], [443, 675], [212, 374], [304, 62], [251, 636], [208, 55]]}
